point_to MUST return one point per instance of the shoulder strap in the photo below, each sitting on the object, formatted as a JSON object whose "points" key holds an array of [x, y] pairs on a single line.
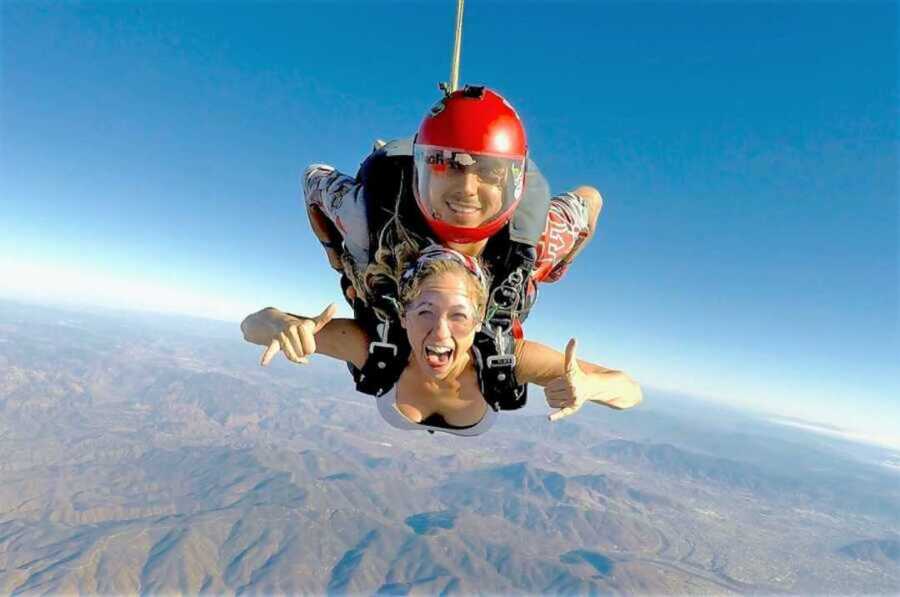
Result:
{"points": [[388, 351], [511, 263], [385, 176]]}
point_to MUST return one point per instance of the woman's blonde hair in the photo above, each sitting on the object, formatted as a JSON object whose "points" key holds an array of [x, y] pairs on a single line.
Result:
{"points": [[397, 271], [410, 291]]}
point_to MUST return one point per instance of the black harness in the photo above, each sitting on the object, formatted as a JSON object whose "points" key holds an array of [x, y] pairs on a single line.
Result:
{"points": [[387, 176]]}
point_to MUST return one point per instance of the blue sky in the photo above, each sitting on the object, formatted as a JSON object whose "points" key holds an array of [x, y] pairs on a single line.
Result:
{"points": [[747, 153]]}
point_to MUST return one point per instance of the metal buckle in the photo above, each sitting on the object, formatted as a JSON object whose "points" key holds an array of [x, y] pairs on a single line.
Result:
{"points": [[388, 345], [501, 360]]}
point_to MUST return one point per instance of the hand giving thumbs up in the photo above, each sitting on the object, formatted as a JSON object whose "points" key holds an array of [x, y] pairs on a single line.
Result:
{"points": [[566, 392]]}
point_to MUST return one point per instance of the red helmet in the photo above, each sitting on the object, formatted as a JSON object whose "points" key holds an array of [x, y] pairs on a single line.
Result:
{"points": [[470, 155]]}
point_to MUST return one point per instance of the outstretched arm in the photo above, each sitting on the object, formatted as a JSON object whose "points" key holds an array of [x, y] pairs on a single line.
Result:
{"points": [[570, 382], [299, 337]]}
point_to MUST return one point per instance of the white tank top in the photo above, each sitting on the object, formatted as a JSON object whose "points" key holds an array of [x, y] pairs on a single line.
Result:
{"points": [[389, 411]]}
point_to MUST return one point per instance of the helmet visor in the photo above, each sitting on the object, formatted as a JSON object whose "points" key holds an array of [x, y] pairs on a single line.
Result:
{"points": [[465, 189]]}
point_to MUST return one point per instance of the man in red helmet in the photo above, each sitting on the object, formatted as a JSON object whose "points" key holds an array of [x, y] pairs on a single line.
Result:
{"points": [[470, 156], [470, 169], [467, 182]]}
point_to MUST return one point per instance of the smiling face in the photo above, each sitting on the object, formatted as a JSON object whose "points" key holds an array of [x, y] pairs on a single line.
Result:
{"points": [[465, 197], [465, 189], [441, 321]]}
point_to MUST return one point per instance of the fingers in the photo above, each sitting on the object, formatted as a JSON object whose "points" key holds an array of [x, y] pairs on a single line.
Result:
{"points": [[324, 317], [275, 347], [561, 399], [559, 402], [560, 393], [301, 341], [571, 363], [562, 413], [294, 335], [297, 341], [287, 348], [305, 343], [563, 394], [293, 354], [560, 384], [270, 353], [561, 387]]}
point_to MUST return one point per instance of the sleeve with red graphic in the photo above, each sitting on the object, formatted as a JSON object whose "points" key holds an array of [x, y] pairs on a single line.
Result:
{"points": [[342, 200], [567, 227]]}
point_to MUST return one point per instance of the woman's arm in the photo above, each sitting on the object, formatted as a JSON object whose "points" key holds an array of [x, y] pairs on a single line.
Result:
{"points": [[299, 337], [569, 382]]}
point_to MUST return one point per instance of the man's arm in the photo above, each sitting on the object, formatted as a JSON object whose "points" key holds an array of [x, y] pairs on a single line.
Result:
{"points": [[335, 204], [593, 201], [571, 223]]}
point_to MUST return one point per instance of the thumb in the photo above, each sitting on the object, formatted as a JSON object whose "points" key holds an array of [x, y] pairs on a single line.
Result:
{"points": [[571, 363], [324, 317]]}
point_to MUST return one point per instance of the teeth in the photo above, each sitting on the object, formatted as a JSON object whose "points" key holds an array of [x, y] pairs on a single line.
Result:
{"points": [[463, 208], [439, 350]]}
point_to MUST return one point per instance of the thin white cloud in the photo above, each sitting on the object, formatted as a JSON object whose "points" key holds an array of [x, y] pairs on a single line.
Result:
{"points": [[856, 436]]}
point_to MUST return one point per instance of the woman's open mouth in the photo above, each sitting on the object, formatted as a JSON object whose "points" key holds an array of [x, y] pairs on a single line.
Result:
{"points": [[438, 357]]}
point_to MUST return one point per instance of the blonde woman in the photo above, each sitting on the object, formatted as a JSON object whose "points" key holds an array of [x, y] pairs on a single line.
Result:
{"points": [[442, 302]]}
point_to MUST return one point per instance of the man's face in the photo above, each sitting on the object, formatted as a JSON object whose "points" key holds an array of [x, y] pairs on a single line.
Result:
{"points": [[467, 196]]}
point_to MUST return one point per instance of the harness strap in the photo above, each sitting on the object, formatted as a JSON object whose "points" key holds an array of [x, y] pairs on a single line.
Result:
{"points": [[388, 353], [497, 375], [495, 343]]}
